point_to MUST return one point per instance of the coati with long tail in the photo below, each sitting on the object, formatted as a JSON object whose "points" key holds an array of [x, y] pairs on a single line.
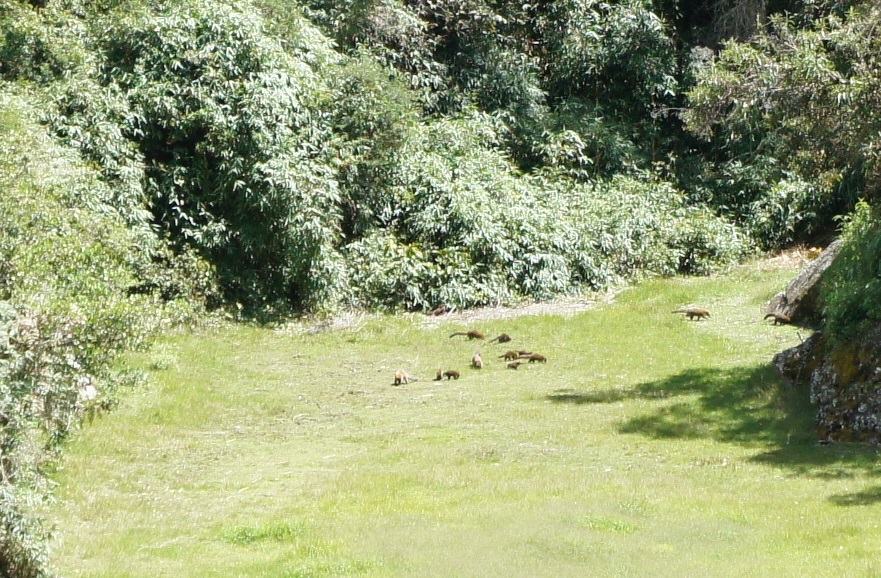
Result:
{"points": [[537, 357], [692, 312], [508, 356], [451, 374], [514, 364], [471, 334], [477, 361], [503, 338], [523, 353], [779, 318], [402, 377]]}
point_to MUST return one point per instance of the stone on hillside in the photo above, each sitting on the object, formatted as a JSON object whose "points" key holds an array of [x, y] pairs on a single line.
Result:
{"points": [[844, 381], [800, 299]]}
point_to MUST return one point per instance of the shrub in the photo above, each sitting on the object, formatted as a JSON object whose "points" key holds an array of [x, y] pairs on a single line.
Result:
{"points": [[466, 228], [851, 288], [229, 130], [789, 118], [372, 116], [67, 261], [38, 46], [610, 51], [23, 538]]}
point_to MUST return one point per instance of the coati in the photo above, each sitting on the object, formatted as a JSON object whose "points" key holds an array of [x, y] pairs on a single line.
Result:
{"points": [[477, 361], [471, 333], [537, 357], [439, 376], [451, 374], [510, 355], [441, 309], [779, 318], [523, 353], [402, 376], [692, 312], [503, 338], [514, 364]]}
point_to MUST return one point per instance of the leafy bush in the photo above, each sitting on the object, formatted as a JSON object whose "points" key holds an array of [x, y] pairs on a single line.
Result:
{"points": [[584, 143], [397, 37], [610, 51], [466, 228], [790, 121], [372, 116], [23, 537], [38, 45], [229, 130], [851, 288], [67, 261]]}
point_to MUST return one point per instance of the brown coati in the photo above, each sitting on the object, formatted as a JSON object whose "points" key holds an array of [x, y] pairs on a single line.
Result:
{"points": [[779, 318], [441, 309], [402, 376], [537, 357], [692, 312], [503, 338], [439, 376], [510, 355], [477, 361], [514, 364], [471, 333], [451, 374]]}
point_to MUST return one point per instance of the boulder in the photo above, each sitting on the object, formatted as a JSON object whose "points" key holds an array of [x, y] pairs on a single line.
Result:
{"points": [[844, 381], [843, 378], [800, 300]]}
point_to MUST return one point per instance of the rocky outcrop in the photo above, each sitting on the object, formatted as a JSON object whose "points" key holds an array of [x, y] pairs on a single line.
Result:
{"points": [[844, 381], [844, 378], [800, 300]]}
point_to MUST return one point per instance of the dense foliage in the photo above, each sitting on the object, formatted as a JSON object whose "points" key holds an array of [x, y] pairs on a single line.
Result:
{"points": [[852, 288], [66, 264], [464, 227], [792, 118], [164, 158]]}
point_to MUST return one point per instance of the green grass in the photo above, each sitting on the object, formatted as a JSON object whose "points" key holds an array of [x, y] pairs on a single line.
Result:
{"points": [[648, 445]]}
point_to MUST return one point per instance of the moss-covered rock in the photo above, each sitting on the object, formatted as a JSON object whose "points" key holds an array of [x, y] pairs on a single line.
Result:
{"points": [[844, 381]]}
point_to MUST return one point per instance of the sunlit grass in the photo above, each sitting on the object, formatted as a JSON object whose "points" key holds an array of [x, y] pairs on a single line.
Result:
{"points": [[648, 445]]}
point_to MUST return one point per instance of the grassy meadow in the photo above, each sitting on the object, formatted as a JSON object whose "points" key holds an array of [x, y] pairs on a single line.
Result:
{"points": [[648, 445]]}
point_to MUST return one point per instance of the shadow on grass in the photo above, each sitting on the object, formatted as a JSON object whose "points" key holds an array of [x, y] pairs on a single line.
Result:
{"points": [[745, 405], [864, 498]]}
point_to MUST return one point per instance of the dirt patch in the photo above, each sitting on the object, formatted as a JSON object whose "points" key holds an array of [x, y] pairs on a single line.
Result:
{"points": [[566, 307], [794, 258], [354, 320]]}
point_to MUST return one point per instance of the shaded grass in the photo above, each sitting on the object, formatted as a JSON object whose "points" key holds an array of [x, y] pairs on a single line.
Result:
{"points": [[648, 445]]}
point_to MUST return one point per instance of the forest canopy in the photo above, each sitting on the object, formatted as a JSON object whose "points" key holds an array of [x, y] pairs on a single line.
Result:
{"points": [[162, 159]]}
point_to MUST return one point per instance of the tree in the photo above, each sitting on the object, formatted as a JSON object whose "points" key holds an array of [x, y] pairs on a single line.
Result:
{"points": [[234, 144], [793, 112]]}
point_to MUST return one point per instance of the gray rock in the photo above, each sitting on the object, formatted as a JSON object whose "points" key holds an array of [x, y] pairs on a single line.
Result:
{"points": [[800, 301]]}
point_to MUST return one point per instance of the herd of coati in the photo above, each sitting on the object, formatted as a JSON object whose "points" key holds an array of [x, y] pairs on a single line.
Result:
{"points": [[515, 358], [700, 313]]}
